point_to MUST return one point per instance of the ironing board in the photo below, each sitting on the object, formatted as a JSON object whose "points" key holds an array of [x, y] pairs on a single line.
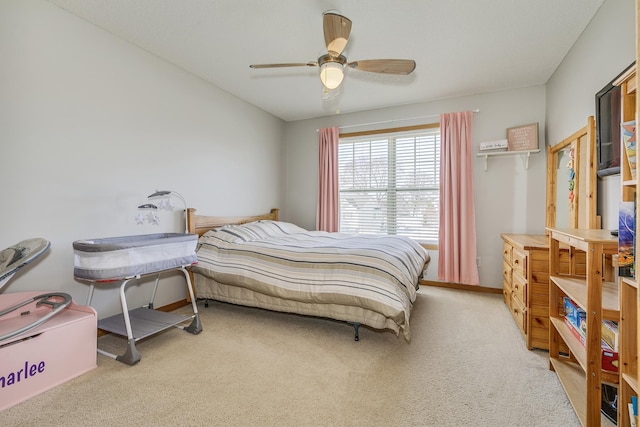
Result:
{"points": [[126, 259]]}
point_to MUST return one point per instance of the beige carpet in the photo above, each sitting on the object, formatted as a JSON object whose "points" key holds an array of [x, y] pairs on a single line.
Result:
{"points": [[466, 365]]}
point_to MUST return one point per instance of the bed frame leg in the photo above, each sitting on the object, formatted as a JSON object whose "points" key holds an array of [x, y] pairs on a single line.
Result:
{"points": [[356, 326]]}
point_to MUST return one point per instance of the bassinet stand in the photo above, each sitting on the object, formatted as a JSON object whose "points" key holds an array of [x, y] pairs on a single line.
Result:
{"points": [[144, 321]]}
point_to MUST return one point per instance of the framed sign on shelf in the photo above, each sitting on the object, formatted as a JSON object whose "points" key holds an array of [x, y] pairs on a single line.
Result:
{"points": [[523, 137]]}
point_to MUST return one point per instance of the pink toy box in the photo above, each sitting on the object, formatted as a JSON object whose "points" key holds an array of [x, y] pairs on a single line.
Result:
{"points": [[36, 360]]}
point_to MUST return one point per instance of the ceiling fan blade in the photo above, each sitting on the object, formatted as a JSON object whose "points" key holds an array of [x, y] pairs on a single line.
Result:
{"points": [[336, 32], [385, 66], [283, 65]]}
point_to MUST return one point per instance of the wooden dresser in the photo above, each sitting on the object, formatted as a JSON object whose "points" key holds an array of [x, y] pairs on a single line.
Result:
{"points": [[525, 285]]}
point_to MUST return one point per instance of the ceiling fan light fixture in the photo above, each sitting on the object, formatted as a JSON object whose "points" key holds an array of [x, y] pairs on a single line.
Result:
{"points": [[337, 29], [331, 74]]}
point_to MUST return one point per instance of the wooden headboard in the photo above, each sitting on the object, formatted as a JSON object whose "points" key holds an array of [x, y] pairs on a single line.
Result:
{"points": [[200, 224]]}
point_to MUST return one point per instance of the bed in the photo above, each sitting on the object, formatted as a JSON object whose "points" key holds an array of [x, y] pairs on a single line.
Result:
{"points": [[259, 261]]}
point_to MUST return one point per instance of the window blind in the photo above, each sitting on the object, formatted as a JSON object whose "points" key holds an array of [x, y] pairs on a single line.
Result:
{"points": [[390, 184]]}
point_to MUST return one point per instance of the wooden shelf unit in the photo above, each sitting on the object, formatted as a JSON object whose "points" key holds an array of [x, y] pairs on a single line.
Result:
{"points": [[628, 347], [628, 325], [580, 371], [627, 83]]}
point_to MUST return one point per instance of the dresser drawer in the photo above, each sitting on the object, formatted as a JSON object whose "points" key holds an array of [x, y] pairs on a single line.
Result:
{"points": [[519, 315], [519, 288], [506, 294], [506, 252], [506, 273], [519, 262]]}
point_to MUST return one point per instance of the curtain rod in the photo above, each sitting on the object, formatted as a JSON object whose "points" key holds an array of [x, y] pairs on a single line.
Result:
{"points": [[395, 120]]}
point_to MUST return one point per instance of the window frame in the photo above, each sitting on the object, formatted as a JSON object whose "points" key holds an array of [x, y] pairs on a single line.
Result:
{"points": [[397, 132]]}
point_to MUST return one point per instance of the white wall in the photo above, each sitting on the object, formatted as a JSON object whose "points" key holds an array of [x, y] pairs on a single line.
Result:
{"points": [[91, 125], [604, 50], [509, 198]]}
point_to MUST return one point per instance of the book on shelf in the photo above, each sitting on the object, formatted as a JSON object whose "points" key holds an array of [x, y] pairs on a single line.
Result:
{"points": [[628, 131], [609, 402], [609, 333], [626, 239], [575, 315], [609, 359], [576, 331]]}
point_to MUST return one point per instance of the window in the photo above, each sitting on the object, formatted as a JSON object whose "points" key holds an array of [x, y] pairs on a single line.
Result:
{"points": [[390, 183]]}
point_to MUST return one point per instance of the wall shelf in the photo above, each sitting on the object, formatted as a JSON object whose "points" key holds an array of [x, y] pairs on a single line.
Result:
{"points": [[524, 153]]}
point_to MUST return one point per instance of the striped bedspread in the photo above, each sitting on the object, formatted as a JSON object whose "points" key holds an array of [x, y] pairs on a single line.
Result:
{"points": [[282, 260]]}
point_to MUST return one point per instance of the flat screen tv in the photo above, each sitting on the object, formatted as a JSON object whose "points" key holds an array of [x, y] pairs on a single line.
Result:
{"points": [[608, 128]]}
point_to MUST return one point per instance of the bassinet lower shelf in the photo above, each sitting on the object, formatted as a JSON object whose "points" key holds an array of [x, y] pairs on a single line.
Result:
{"points": [[144, 322]]}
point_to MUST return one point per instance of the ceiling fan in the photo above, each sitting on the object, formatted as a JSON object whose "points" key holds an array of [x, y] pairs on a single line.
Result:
{"points": [[336, 35]]}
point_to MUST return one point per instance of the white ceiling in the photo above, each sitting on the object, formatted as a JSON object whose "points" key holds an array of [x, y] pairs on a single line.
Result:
{"points": [[461, 47]]}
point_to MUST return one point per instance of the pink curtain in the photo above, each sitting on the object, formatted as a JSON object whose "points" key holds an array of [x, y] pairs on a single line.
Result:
{"points": [[457, 233], [328, 203]]}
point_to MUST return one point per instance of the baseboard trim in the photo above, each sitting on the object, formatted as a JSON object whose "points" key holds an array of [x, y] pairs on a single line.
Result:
{"points": [[461, 287], [168, 307]]}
